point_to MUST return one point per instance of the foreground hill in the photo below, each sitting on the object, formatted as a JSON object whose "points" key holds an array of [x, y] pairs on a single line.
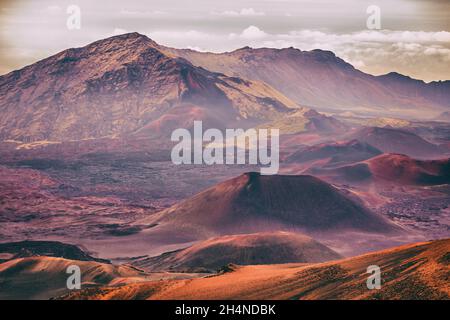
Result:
{"points": [[245, 249], [415, 271], [321, 79], [253, 202], [44, 277]]}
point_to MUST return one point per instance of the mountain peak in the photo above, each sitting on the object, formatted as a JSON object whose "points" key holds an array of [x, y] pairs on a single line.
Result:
{"points": [[129, 35], [132, 36], [395, 76], [126, 39], [324, 52]]}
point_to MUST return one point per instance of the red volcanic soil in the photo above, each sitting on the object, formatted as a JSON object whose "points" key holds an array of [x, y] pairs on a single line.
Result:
{"points": [[244, 249], [417, 271], [405, 170], [252, 203], [395, 168], [391, 140]]}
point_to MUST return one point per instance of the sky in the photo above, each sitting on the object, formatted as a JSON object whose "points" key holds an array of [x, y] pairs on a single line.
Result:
{"points": [[413, 37]]}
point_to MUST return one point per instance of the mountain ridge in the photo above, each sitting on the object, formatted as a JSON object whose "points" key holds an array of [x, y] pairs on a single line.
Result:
{"points": [[320, 79], [116, 86]]}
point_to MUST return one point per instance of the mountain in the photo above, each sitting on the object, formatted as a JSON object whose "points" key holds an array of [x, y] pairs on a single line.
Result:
{"points": [[245, 249], [129, 84], [396, 168], [436, 91], [418, 271], [252, 203], [390, 140], [335, 153], [320, 79], [23, 249], [119, 85]]}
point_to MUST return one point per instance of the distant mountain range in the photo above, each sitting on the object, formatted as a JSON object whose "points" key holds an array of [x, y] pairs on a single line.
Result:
{"points": [[322, 80], [129, 84]]}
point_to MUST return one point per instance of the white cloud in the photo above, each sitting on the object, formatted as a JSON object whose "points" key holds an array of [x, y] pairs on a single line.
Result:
{"points": [[251, 33], [418, 54]]}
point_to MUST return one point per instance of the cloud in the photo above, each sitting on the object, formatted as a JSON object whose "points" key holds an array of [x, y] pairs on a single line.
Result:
{"points": [[245, 12], [40, 27], [422, 55], [251, 33], [419, 54]]}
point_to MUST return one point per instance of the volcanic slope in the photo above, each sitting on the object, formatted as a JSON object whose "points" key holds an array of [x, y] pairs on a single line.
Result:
{"points": [[395, 168], [245, 249], [253, 203], [418, 271]]}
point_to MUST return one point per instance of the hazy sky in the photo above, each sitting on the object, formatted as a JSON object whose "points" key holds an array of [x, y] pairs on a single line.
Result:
{"points": [[414, 38]]}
